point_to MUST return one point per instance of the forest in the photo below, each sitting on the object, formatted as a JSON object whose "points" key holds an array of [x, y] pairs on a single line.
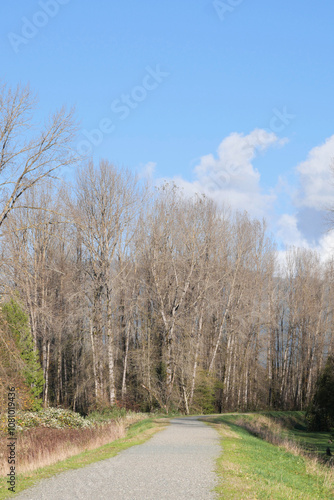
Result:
{"points": [[114, 292]]}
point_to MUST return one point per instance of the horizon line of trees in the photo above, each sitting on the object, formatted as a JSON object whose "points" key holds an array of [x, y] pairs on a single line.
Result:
{"points": [[154, 300]]}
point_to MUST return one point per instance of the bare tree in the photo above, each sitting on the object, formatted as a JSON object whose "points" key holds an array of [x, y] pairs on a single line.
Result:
{"points": [[29, 153], [34, 260], [106, 201]]}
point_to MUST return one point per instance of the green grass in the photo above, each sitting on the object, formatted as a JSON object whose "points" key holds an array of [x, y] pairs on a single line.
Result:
{"points": [[295, 429], [137, 434], [295, 423], [288, 419], [313, 441], [250, 468]]}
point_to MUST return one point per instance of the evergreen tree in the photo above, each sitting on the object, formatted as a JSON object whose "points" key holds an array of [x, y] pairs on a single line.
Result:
{"points": [[320, 415], [18, 323]]}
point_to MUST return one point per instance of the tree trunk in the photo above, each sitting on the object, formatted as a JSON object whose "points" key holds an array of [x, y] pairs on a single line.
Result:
{"points": [[125, 362]]}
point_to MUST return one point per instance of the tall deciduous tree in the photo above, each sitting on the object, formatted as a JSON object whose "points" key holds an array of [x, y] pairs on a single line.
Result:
{"points": [[106, 201], [29, 153]]}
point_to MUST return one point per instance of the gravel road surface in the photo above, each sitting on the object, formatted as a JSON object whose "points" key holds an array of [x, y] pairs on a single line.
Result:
{"points": [[176, 463]]}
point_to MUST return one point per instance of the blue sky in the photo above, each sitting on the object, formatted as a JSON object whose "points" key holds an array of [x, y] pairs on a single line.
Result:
{"points": [[231, 97]]}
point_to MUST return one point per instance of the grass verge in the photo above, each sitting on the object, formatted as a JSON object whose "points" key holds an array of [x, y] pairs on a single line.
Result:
{"points": [[287, 429], [251, 468], [137, 434]]}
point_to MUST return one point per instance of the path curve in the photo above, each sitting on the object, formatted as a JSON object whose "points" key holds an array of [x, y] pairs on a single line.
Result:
{"points": [[176, 463]]}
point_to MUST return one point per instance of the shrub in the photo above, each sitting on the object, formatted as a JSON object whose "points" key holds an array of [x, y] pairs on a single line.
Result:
{"points": [[54, 418]]}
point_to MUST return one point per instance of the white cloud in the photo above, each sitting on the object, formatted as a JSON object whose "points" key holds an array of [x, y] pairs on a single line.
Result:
{"points": [[230, 177], [316, 179], [147, 170], [307, 226], [326, 246], [289, 233]]}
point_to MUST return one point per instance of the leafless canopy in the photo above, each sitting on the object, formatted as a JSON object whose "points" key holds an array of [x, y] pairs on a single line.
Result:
{"points": [[29, 153]]}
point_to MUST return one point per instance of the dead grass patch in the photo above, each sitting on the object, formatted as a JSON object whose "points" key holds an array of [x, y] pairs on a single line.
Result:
{"points": [[222, 428], [40, 447]]}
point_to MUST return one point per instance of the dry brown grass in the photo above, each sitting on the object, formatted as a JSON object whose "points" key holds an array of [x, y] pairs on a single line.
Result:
{"points": [[40, 447], [263, 427], [223, 429]]}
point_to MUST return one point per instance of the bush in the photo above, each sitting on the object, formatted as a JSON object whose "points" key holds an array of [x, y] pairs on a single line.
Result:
{"points": [[54, 418]]}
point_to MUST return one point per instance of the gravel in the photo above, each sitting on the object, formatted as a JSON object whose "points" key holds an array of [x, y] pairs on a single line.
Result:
{"points": [[176, 463]]}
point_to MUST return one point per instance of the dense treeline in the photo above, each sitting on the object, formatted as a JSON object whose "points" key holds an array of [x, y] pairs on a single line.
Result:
{"points": [[154, 300]]}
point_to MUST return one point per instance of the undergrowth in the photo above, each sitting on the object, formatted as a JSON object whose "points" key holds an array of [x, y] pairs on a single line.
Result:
{"points": [[53, 434]]}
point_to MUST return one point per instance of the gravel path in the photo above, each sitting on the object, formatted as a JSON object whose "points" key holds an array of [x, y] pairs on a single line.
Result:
{"points": [[176, 463]]}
